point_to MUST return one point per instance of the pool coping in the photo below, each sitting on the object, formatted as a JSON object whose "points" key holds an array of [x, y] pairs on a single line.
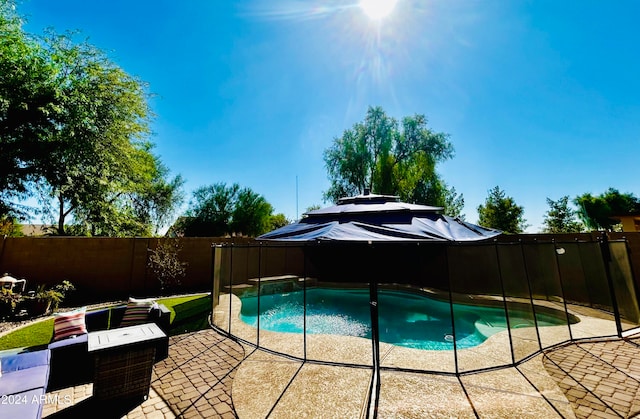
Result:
{"points": [[495, 351]]}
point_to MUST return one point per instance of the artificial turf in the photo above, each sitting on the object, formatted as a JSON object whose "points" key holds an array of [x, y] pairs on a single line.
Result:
{"points": [[188, 313]]}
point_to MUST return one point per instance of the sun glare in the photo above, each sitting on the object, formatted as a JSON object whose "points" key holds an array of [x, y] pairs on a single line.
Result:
{"points": [[377, 9]]}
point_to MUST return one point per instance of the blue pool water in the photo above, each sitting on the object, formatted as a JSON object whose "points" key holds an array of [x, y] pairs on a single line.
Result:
{"points": [[405, 319]]}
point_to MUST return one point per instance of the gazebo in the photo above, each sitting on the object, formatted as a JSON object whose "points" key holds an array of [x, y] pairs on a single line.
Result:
{"points": [[373, 218]]}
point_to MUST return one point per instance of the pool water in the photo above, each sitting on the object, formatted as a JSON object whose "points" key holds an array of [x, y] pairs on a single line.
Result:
{"points": [[405, 319]]}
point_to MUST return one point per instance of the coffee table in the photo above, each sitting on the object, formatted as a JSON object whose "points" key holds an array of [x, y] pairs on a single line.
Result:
{"points": [[123, 360]]}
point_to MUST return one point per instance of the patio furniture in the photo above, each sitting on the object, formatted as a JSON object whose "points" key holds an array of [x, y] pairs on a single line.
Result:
{"points": [[123, 361], [15, 285], [74, 351], [23, 383]]}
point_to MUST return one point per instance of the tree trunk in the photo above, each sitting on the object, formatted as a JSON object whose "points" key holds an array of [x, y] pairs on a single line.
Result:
{"points": [[61, 216]]}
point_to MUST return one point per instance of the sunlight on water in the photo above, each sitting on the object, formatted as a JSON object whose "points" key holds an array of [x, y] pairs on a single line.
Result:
{"points": [[289, 317], [404, 319]]}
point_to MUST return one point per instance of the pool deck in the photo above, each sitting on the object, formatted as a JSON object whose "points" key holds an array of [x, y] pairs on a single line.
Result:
{"points": [[210, 375]]}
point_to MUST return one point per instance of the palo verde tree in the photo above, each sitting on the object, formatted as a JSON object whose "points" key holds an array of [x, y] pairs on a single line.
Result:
{"points": [[501, 212], [596, 211], [561, 218], [391, 158]]}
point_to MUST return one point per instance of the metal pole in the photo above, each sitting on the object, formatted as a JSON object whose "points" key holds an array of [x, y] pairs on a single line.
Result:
{"points": [[564, 300], [504, 301], [453, 322], [606, 257], [259, 291], [304, 300], [375, 342], [533, 305]]}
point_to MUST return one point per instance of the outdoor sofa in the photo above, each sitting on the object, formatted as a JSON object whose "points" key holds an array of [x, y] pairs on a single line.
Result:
{"points": [[23, 383], [27, 374]]}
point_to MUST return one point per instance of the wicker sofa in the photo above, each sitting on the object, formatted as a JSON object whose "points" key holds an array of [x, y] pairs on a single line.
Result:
{"points": [[71, 363]]}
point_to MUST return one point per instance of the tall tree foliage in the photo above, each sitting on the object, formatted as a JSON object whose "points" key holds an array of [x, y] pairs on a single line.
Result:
{"points": [[501, 212], [74, 127], [391, 158], [560, 218], [277, 221], [9, 226], [251, 214], [29, 104], [218, 209], [596, 211]]}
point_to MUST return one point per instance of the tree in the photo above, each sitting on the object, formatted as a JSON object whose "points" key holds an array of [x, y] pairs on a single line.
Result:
{"points": [[561, 218], [453, 203], [74, 128], [141, 210], [596, 211], [311, 208], [209, 212], [387, 158], [501, 212], [218, 209], [161, 199], [101, 157], [29, 104], [9, 226], [277, 221], [251, 213]]}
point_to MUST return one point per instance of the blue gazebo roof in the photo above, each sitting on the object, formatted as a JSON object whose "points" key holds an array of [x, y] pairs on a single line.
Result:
{"points": [[371, 217]]}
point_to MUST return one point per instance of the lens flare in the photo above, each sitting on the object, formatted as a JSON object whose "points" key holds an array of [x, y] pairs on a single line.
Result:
{"points": [[377, 9]]}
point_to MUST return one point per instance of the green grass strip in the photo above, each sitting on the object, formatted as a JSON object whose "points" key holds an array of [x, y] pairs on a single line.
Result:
{"points": [[188, 314], [35, 334]]}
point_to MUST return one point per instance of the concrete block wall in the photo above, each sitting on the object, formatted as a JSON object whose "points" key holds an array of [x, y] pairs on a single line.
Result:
{"points": [[104, 268]]}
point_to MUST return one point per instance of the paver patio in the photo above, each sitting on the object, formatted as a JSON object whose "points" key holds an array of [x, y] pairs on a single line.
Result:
{"points": [[211, 376]]}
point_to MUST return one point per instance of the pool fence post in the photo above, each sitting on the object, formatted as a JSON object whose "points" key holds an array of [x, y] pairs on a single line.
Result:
{"points": [[259, 292], [606, 258], [533, 304], [451, 311], [304, 301], [375, 342], [504, 302], [557, 250], [215, 274], [231, 252]]}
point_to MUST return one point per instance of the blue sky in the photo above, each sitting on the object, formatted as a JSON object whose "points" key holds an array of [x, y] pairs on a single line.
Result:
{"points": [[541, 98]]}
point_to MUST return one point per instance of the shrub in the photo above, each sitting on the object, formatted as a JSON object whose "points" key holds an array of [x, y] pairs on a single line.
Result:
{"points": [[8, 302], [166, 265]]}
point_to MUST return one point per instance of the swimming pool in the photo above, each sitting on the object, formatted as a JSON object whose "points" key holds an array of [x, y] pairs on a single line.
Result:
{"points": [[405, 319]]}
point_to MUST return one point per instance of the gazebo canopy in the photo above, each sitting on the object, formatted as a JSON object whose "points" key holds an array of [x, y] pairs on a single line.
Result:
{"points": [[371, 217]]}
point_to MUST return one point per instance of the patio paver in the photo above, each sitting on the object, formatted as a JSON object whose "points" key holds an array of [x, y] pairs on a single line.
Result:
{"points": [[210, 376]]}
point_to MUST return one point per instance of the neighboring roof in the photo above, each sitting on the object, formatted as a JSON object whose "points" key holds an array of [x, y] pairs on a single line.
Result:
{"points": [[630, 221], [628, 214], [35, 229], [379, 218]]}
